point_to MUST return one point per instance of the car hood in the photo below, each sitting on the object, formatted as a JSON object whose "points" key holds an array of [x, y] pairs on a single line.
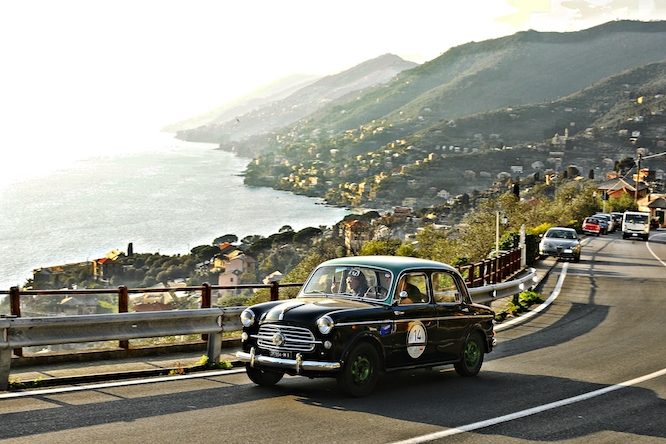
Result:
{"points": [[308, 310]]}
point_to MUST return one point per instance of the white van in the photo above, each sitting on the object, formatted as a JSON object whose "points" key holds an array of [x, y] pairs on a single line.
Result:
{"points": [[635, 224]]}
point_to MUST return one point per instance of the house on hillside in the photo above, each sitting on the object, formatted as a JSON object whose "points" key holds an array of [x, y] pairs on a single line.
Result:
{"points": [[355, 232], [655, 204], [616, 188], [235, 264], [78, 305], [275, 276]]}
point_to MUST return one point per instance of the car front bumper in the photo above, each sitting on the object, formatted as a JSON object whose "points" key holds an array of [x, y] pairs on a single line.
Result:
{"points": [[297, 364], [559, 252]]}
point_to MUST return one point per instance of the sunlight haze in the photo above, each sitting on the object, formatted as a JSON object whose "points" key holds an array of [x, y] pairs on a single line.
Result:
{"points": [[83, 77]]}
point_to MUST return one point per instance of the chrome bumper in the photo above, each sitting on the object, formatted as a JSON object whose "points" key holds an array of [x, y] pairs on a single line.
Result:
{"points": [[297, 364]]}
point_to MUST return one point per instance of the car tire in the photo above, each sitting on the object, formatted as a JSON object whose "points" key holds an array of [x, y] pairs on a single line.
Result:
{"points": [[265, 378], [361, 371], [471, 357]]}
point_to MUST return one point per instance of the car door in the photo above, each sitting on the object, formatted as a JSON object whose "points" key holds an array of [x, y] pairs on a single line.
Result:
{"points": [[452, 314], [411, 342]]}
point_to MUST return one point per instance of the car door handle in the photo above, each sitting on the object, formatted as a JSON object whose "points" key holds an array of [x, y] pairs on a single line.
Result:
{"points": [[465, 309], [398, 313]]}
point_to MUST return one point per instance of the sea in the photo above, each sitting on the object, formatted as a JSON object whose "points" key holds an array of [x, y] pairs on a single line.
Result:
{"points": [[167, 197]]}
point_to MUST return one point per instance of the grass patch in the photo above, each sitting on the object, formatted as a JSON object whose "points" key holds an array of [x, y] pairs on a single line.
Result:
{"points": [[520, 303]]}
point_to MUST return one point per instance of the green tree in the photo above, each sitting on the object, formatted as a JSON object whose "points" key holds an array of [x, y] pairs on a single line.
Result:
{"points": [[205, 252], [380, 247], [231, 238]]}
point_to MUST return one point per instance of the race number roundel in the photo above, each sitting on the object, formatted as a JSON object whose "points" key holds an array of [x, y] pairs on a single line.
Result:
{"points": [[416, 339]]}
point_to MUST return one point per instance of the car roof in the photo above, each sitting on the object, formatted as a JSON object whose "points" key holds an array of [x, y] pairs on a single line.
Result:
{"points": [[562, 228], [395, 264]]}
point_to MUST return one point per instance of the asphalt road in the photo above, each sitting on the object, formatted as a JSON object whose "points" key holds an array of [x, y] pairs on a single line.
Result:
{"points": [[552, 379]]}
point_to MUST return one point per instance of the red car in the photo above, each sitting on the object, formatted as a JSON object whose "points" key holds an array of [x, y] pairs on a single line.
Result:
{"points": [[591, 226]]}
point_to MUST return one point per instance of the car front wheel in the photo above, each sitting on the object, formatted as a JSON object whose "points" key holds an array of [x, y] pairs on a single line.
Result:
{"points": [[472, 356], [361, 372], [263, 377]]}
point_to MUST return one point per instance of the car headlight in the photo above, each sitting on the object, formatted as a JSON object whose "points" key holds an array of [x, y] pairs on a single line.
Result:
{"points": [[325, 324], [247, 317]]}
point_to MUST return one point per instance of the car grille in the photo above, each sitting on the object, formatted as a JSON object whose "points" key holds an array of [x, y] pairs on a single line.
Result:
{"points": [[297, 339]]}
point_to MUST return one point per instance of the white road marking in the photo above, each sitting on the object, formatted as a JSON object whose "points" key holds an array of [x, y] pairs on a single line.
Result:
{"points": [[647, 244], [555, 293], [105, 385], [532, 411]]}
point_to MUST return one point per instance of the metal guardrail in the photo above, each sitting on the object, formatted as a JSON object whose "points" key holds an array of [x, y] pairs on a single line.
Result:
{"points": [[509, 288], [38, 331]]}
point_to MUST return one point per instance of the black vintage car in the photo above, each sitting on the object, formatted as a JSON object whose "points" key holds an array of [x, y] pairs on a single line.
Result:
{"points": [[357, 317]]}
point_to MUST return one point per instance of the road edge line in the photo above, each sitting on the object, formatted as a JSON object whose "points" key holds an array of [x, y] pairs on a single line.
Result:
{"points": [[532, 411], [530, 314]]}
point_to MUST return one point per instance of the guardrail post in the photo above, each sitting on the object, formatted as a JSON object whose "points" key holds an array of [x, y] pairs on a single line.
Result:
{"points": [[15, 301], [482, 272], [123, 307], [206, 295], [5, 355], [275, 291], [215, 344], [206, 301], [15, 310], [5, 363]]}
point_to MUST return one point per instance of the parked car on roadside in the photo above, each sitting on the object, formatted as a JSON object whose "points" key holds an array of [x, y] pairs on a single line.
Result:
{"points": [[357, 317], [562, 243], [591, 226], [610, 224], [617, 218]]}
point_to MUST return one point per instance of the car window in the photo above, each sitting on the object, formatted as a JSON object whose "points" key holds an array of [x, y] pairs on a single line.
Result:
{"points": [[445, 289], [415, 288], [349, 281]]}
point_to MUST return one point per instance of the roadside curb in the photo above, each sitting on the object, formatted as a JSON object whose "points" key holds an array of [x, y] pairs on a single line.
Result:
{"points": [[518, 320]]}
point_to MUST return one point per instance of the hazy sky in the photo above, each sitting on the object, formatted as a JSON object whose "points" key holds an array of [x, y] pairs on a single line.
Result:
{"points": [[74, 70]]}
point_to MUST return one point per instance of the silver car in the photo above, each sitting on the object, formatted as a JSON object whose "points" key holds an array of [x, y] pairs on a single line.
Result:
{"points": [[562, 243], [609, 219]]}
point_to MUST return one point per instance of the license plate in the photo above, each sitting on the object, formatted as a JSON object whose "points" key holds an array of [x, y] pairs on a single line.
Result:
{"points": [[634, 235], [279, 354]]}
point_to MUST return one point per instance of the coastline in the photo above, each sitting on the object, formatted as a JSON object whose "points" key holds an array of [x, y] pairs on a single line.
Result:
{"points": [[179, 196]]}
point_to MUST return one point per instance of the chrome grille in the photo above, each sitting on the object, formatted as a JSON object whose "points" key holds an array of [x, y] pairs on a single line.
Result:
{"points": [[297, 339]]}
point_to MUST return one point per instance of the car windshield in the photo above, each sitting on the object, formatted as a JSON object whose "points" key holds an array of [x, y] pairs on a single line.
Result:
{"points": [[561, 234], [636, 218], [348, 281], [592, 221]]}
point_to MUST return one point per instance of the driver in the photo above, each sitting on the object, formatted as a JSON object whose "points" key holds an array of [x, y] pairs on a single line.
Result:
{"points": [[356, 282]]}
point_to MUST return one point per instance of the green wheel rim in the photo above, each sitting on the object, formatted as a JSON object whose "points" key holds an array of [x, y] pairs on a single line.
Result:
{"points": [[472, 354], [361, 370]]}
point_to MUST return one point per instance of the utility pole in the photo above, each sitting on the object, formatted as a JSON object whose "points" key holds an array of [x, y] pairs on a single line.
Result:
{"points": [[638, 173], [638, 178]]}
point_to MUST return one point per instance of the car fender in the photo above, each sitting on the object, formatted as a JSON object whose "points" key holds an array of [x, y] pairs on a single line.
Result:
{"points": [[364, 336], [477, 327]]}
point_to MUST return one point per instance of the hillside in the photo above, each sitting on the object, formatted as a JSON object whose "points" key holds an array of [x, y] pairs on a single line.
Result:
{"points": [[299, 104], [262, 96], [590, 129]]}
